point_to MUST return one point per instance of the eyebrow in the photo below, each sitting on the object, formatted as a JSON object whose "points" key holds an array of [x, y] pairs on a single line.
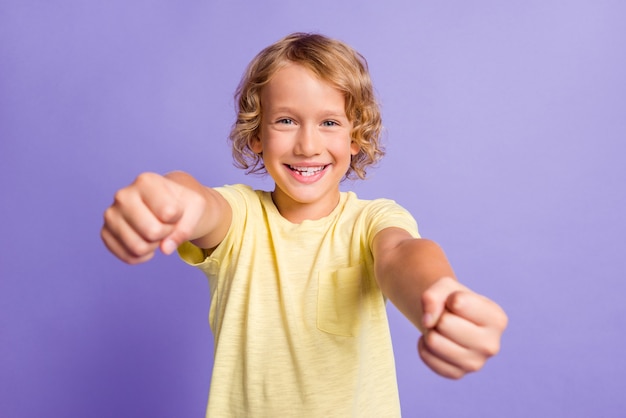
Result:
{"points": [[326, 113]]}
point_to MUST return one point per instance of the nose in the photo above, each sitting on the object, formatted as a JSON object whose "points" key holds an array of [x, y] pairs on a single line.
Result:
{"points": [[308, 142]]}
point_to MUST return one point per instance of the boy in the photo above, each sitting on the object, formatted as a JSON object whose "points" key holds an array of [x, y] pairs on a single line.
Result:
{"points": [[299, 276]]}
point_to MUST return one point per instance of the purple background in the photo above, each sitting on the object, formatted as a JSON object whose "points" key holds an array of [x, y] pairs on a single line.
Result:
{"points": [[506, 129]]}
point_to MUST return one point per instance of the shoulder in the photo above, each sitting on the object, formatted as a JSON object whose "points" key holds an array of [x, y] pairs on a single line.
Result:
{"points": [[378, 214], [374, 206], [241, 195], [235, 190]]}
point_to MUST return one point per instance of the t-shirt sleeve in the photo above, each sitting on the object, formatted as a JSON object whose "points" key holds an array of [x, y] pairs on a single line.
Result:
{"points": [[236, 196], [385, 213]]}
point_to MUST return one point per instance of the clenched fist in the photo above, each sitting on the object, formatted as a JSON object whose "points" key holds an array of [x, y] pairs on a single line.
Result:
{"points": [[153, 212], [462, 329]]}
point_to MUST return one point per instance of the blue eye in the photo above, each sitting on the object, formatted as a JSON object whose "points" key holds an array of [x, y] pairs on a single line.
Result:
{"points": [[329, 123], [285, 121]]}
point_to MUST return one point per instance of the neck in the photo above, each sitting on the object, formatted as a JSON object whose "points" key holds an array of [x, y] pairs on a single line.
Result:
{"points": [[297, 212]]}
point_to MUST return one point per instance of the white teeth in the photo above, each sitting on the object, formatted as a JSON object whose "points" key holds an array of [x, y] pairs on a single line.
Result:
{"points": [[306, 171]]}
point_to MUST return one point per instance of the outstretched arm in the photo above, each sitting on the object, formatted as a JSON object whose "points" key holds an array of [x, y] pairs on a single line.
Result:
{"points": [[461, 329], [163, 212]]}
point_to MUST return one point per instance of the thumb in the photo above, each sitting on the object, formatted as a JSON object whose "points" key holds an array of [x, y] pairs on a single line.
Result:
{"points": [[185, 227], [434, 300], [168, 246]]}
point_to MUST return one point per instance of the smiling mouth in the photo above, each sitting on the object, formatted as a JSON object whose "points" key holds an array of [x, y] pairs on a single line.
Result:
{"points": [[307, 171]]}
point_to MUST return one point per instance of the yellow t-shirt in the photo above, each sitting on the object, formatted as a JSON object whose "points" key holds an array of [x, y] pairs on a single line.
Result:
{"points": [[299, 322]]}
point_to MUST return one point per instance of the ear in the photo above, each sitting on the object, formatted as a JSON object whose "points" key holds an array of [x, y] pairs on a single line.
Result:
{"points": [[354, 148], [255, 145]]}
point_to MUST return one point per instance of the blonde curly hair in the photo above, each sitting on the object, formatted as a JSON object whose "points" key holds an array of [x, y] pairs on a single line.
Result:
{"points": [[332, 61]]}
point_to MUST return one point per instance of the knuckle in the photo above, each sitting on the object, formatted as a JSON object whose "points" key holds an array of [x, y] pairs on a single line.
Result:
{"points": [[108, 215], [445, 321], [458, 300], [167, 212], [144, 178], [474, 365], [140, 248], [120, 196], [432, 340], [491, 349], [152, 231], [428, 297], [503, 323]]}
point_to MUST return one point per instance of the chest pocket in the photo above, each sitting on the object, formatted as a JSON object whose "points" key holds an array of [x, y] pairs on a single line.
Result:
{"points": [[339, 301]]}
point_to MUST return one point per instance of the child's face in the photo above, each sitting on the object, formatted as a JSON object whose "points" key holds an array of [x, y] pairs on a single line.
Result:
{"points": [[305, 141]]}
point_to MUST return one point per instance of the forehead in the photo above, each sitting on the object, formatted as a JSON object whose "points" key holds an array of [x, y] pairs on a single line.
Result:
{"points": [[295, 83]]}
